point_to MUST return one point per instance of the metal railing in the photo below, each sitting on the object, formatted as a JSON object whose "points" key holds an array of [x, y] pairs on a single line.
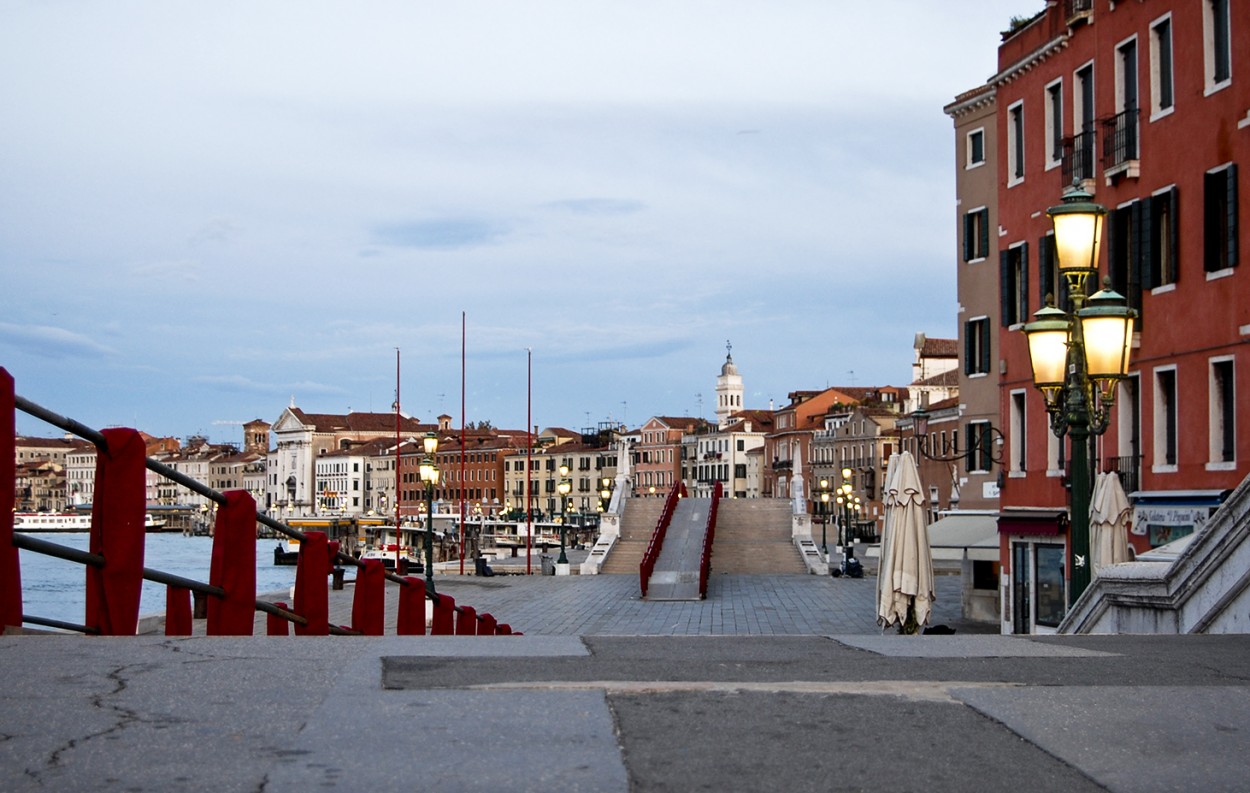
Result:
{"points": [[1078, 158], [709, 536], [1119, 140], [447, 615], [647, 566]]}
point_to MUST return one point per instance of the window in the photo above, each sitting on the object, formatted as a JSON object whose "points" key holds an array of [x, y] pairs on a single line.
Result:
{"points": [[1054, 123], [1051, 283], [1219, 210], [1159, 240], [1015, 143], [1080, 163], [1161, 67], [974, 155], [1165, 420], [1217, 43], [977, 234], [1125, 254], [1017, 446], [1223, 412], [1128, 431], [977, 346], [980, 447], [1120, 145], [1014, 284]]}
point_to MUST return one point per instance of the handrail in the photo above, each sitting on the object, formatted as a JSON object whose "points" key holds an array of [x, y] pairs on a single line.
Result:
{"points": [[482, 623], [709, 535], [656, 543]]}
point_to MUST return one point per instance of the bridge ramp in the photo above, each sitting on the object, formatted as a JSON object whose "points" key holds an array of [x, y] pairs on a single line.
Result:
{"points": [[676, 574]]}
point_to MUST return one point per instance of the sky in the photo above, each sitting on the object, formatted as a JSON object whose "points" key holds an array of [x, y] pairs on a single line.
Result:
{"points": [[211, 211]]}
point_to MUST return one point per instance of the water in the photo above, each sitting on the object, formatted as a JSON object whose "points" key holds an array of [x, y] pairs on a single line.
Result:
{"points": [[56, 589]]}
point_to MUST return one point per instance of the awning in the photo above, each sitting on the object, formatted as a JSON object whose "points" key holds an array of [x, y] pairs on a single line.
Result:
{"points": [[1043, 522], [951, 535]]}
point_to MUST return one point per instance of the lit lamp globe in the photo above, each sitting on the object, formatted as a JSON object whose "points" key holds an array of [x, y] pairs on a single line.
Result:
{"points": [[1107, 327], [1078, 234], [1047, 335]]}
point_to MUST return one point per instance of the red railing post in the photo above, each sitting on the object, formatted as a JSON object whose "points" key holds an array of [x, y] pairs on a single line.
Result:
{"points": [[444, 623], [312, 587], [411, 618], [233, 567], [117, 516], [503, 629], [275, 625], [177, 611], [369, 601], [466, 621], [10, 568], [486, 625]]}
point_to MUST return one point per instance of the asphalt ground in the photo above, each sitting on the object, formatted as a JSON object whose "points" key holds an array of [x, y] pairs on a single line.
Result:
{"points": [[589, 703]]}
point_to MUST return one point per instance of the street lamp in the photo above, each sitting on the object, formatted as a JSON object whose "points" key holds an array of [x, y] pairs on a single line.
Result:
{"points": [[562, 490], [1077, 357], [428, 471], [822, 492]]}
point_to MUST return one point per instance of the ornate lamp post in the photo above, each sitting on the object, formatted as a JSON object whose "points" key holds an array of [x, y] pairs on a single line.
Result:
{"points": [[429, 475], [822, 492], [562, 490], [1078, 356]]}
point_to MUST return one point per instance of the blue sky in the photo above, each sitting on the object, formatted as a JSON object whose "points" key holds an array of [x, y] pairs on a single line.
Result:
{"points": [[210, 209]]}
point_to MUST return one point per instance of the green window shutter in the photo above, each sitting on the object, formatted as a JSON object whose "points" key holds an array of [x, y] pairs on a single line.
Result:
{"points": [[1231, 185], [984, 250], [1005, 310]]}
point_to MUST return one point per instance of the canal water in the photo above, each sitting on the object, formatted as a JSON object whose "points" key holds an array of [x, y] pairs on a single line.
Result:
{"points": [[56, 589]]}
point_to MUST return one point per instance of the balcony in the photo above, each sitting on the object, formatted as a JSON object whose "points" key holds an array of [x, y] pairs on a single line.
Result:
{"points": [[782, 465], [1119, 145], [1077, 12], [1078, 158]]}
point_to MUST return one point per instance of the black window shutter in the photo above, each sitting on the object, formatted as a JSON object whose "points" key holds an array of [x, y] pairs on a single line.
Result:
{"points": [[1174, 228], [1231, 177], [1007, 314], [984, 250], [970, 328], [1150, 276], [1045, 269], [1024, 283], [983, 326], [967, 236]]}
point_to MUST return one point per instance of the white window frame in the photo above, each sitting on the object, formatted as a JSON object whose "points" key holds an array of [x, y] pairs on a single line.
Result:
{"points": [[1159, 422], [1124, 417], [1157, 111], [1017, 405], [1208, 48], [1015, 148], [969, 163], [1215, 415], [1053, 92], [1078, 108]]}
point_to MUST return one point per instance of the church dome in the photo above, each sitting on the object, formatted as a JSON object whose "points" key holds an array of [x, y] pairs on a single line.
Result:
{"points": [[728, 368]]}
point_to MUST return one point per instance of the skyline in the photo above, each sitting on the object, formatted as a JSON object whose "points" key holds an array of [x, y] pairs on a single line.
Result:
{"points": [[211, 210]]}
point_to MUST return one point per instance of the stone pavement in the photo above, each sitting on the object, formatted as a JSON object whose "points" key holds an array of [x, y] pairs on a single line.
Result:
{"points": [[748, 690]]}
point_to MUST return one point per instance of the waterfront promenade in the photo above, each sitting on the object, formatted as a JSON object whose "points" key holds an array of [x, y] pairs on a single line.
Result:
{"points": [[772, 683]]}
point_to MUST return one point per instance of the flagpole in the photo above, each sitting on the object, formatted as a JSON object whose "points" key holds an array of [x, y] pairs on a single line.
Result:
{"points": [[529, 461], [398, 490], [462, 438]]}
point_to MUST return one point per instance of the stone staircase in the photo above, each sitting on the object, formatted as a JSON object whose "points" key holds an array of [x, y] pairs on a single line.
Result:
{"points": [[753, 535], [637, 524]]}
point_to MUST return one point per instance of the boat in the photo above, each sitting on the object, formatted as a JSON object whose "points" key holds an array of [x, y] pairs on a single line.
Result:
{"points": [[286, 553], [68, 522], [387, 557]]}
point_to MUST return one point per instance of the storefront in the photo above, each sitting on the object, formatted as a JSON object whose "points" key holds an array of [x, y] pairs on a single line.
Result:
{"points": [[1034, 581], [1162, 516]]}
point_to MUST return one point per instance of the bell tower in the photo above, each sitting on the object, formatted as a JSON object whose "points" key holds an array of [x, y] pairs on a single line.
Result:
{"points": [[728, 389]]}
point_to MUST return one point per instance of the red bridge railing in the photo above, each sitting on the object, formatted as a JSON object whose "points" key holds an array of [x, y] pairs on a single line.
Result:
{"points": [[647, 566], [705, 559], [114, 561]]}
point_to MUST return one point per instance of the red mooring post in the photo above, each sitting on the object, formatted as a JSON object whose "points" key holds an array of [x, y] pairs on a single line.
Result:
{"points": [[503, 629], [312, 589], [486, 625], [10, 569], [233, 567], [275, 625], [411, 617], [466, 621], [444, 616], [117, 516], [177, 611], [369, 601]]}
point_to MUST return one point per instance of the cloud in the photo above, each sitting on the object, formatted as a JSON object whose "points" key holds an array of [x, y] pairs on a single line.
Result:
{"points": [[168, 270], [440, 234], [52, 342], [597, 206], [239, 384]]}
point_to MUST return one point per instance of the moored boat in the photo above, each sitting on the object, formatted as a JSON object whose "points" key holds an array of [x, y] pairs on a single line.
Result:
{"points": [[67, 521]]}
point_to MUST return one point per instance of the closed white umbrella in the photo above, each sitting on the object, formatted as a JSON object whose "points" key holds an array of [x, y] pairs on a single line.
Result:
{"points": [[1108, 523], [905, 579]]}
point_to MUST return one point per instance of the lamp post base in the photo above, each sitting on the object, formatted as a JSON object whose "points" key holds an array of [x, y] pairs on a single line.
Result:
{"points": [[562, 568]]}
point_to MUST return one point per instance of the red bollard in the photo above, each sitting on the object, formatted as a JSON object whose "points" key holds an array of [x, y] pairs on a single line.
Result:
{"points": [[233, 567], [10, 569], [466, 621], [503, 629], [177, 611], [486, 625], [275, 625], [117, 533], [368, 604], [312, 589], [411, 618], [444, 616]]}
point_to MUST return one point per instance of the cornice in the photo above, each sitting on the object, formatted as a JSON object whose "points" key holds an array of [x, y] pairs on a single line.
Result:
{"points": [[1030, 61]]}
